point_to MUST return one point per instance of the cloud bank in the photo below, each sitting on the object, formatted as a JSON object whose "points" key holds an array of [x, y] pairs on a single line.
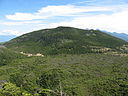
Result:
{"points": [[52, 11], [109, 18]]}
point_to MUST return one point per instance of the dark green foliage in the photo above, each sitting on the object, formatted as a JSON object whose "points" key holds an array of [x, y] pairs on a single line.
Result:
{"points": [[50, 80], [110, 87], [114, 85]]}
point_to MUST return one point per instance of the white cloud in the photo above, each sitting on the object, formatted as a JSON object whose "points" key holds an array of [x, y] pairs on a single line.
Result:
{"points": [[17, 23], [51, 11], [116, 22], [22, 16], [9, 32]]}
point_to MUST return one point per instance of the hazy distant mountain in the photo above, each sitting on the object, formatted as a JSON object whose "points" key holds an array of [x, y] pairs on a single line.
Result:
{"points": [[119, 35], [4, 38]]}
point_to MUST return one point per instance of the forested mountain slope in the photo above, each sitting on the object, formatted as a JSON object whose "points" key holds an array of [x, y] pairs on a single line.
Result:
{"points": [[64, 40]]}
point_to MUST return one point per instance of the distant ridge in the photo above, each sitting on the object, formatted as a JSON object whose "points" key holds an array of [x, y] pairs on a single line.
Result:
{"points": [[122, 36]]}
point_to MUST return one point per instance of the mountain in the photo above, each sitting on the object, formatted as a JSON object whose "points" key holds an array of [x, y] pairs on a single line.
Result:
{"points": [[4, 38], [122, 36], [64, 40], [68, 71]]}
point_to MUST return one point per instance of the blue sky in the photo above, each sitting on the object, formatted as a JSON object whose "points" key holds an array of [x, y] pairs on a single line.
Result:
{"points": [[21, 16]]}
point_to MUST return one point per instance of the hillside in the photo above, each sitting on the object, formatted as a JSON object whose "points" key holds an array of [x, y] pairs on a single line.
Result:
{"points": [[51, 62], [63, 40], [7, 55]]}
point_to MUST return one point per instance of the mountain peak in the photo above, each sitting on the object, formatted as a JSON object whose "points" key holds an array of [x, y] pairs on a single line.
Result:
{"points": [[64, 40]]}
